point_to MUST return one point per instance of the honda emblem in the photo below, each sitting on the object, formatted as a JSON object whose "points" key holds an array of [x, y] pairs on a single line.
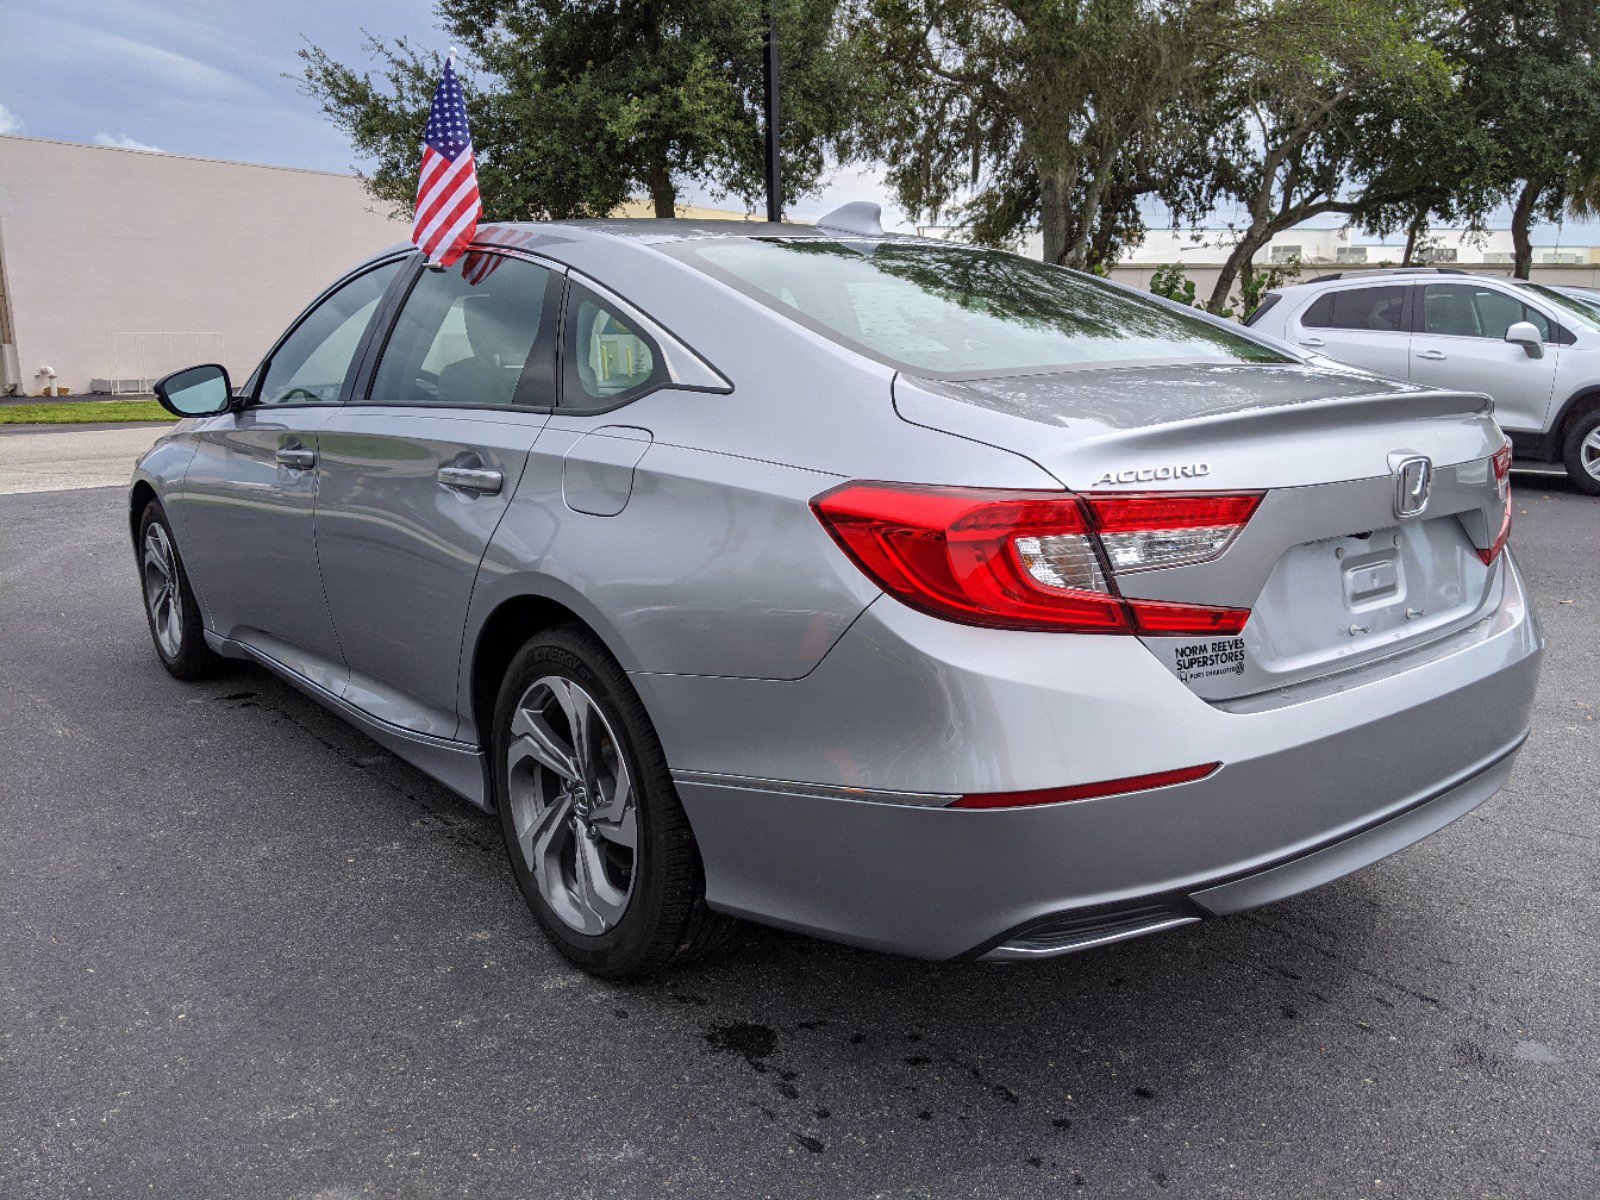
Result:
{"points": [[1413, 482]]}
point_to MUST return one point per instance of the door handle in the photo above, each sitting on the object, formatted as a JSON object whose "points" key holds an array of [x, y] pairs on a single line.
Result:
{"points": [[1312, 342], [471, 479], [296, 458], [1431, 355]]}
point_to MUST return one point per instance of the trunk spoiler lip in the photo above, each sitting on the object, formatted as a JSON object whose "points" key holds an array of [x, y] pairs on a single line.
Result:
{"points": [[1391, 397], [1234, 439]]}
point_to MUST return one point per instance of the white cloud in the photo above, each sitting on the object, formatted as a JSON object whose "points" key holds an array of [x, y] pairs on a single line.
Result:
{"points": [[123, 142], [9, 121]]}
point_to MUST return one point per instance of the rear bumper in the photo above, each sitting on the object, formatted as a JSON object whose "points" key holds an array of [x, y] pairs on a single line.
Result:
{"points": [[1318, 783], [1075, 931]]}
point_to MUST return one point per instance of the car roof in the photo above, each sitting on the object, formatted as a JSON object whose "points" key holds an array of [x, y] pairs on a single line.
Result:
{"points": [[548, 237], [1399, 275]]}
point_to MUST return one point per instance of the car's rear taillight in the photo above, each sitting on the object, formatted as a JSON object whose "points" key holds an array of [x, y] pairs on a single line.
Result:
{"points": [[1502, 481], [1034, 560]]}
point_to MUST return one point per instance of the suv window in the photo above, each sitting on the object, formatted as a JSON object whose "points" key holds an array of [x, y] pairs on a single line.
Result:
{"points": [[1381, 309], [1471, 310], [480, 334], [606, 360], [310, 365]]}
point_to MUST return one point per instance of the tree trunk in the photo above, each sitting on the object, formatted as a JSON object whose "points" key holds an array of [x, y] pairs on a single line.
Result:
{"points": [[1238, 261], [1413, 234], [1521, 228], [1053, 213], [662, 194]]}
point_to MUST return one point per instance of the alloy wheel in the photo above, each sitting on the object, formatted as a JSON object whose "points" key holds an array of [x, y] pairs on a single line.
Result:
{"points": [[161, 592], [573, 805], [1589, 453]]}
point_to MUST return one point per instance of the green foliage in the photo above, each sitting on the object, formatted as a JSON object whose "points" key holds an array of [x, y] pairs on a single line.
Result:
{"points": [[1320, 108], [1007, 116], [1171, 282], [1530, 72], [577, 105], [1262, 280]]}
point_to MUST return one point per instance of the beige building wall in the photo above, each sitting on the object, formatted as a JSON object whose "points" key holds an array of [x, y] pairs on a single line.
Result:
{"points": [[117, 266], [125, 264]]}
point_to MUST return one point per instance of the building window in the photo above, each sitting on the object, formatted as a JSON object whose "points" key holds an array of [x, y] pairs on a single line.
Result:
{"points": [[1438, 254], [1350, 254], [1499, 258], [1286, 254], [1562, 257]]}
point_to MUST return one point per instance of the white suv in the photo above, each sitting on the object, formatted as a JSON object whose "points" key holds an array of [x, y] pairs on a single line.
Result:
{"points": [[1535, 350]]}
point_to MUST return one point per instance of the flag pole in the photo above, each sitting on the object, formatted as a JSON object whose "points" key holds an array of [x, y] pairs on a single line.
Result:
{"points": [[770, 73]]}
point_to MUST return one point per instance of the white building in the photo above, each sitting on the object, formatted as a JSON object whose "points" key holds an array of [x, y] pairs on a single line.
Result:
{"points": [[117, 266], [1331, 241]]}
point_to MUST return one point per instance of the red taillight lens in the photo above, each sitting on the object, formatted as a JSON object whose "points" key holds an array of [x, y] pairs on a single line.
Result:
{"points": [[1085, 791], [1033, 560], [1502, 479], [1005, 559]]}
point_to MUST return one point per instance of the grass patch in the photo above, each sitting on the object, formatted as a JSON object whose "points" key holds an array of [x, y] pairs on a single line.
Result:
{"points": [[83, 412]]}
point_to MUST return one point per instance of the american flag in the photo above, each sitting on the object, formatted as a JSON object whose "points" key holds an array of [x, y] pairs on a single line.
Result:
{"points": [[480, 265], [448, 202]]}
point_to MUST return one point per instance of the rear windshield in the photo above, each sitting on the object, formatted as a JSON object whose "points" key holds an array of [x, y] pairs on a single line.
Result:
{"points": [[954, 310]]}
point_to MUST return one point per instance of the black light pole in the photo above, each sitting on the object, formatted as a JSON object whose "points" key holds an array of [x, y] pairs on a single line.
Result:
{"points": [[774, 182]]}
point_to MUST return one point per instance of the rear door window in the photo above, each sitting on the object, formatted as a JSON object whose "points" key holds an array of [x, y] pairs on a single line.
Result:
{"points": [[481, 334], [1377, 309]]}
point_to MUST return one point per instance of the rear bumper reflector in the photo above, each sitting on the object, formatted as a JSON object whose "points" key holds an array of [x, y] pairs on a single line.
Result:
{"points": [[1086, 791]]}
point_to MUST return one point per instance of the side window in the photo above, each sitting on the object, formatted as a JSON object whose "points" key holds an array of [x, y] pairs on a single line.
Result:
{"points": [[310, 365], [606, 361], [1465, 310], [481, 334], [1380, 309], [1539, 322], [1448, 310]]}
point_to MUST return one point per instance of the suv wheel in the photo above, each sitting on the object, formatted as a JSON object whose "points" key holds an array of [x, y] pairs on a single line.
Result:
{"points": [[169, 603], [598, 841], [1582, 453]]}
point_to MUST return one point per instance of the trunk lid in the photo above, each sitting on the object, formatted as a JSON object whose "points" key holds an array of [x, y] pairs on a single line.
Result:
{"points": [[1333, 576]]}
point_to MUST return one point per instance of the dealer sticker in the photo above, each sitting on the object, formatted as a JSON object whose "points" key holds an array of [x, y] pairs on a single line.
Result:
{"points": [[1203, 660]]}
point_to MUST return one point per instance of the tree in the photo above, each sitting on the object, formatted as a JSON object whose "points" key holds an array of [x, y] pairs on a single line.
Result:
{"points": [[1016, 114], [1317, 112], [1531, 71], [576, 105]]}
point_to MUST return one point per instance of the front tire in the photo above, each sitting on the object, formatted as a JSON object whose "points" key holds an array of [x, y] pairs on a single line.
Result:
{"points": [[169, 603], [1581, 453], [599, 844]]}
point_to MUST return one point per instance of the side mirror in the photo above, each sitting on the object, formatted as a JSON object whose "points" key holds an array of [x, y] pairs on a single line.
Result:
{"points": [[201, 391], [1526, 333]]}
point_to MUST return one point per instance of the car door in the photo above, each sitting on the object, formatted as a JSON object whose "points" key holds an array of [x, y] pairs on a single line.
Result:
{"points": [[1460, 343], [416, 474], [243, 515], [1363, 325]]}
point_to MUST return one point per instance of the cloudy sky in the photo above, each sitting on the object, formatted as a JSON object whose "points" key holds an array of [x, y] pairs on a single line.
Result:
{"points": [[207, 77]]}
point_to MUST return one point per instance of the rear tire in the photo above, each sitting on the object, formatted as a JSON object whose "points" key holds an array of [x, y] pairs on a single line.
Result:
{"points": [[599, 844], [1581, 453], [176, 626]]}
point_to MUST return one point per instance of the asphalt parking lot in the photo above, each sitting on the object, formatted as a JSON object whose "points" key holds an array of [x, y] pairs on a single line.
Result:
{"points": [[246, 953]]}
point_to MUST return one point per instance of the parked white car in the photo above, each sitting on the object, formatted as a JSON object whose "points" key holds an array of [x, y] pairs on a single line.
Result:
{"points": [[1535, 350]]}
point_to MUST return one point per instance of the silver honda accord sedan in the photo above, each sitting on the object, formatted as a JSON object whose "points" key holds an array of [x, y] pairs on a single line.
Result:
{"points": [[895, 591]]}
